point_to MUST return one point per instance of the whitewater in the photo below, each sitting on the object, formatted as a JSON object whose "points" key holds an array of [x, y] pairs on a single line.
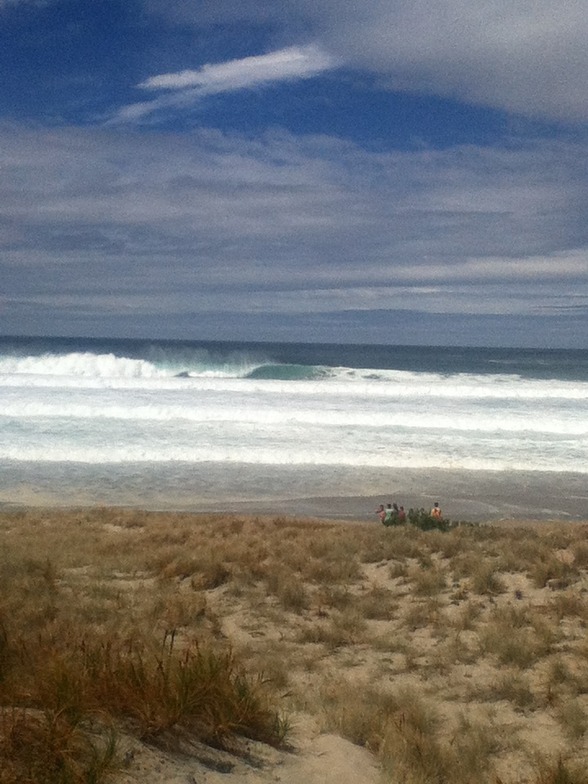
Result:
{"points": [[175, 413]]}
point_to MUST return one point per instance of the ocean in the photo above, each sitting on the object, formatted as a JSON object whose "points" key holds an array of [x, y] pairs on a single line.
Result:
{"points": [[200, 424]]}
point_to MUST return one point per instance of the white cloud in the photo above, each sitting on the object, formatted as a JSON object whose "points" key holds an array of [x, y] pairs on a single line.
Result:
{"points": [[210, 223], [529, 57], [187, 87], [572, 265], [295, 62]]}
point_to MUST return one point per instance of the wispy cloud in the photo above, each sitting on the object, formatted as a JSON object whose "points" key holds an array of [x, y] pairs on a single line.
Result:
{"points": [[220, 224], [185, 88], [528, 58], [295, 62]]}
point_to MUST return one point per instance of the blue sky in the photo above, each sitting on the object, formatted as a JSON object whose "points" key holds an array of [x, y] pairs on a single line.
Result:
{"points": [[386, 171]]}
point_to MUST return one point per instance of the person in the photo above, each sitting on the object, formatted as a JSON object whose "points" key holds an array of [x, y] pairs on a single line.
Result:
{"points": [[401, 515], [381, 512], [436, 511], [389, 515]]}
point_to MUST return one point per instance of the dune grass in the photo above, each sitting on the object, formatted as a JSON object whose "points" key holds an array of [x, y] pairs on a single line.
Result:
{"points": [[96, 639], [454, 656]]}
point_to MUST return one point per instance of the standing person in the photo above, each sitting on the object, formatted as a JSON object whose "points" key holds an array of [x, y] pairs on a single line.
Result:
{"points": [[436, 511], [389, 516], [401, 515], [381, 512]]}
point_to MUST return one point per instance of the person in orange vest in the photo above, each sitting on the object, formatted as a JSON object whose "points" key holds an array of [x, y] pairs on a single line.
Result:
{"points": [[436, 511]]}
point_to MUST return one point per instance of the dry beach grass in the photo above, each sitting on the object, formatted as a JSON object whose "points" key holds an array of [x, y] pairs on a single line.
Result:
{"points": [[166, 647]]}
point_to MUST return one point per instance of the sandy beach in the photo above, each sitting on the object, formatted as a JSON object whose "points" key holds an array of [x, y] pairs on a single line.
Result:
{"points": [[465, 496], [345, 494]]}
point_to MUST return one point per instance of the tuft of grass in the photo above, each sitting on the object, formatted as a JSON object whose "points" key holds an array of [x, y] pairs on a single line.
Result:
{"points": [[344, 628], [580, 553], [289, 588], [559, 772], [485, 580], [428, 582], [398, 570], [423, 614], [550, 569], [364, 715], [412, 750], [336, 597], [570, 604], [518, 648], [467, 617], [573, 718], [517, 636], [71, 672], [47, 747], [197, 689], [513, 687], [475, 744], [558, 673], [332, 570], [175, 609], [377, 603]]}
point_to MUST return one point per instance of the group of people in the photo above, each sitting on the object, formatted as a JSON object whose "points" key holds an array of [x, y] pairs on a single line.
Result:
{"points": [[392, 514]]}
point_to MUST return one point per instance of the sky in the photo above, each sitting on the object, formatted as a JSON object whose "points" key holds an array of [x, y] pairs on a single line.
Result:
{"points": [[361, 171]]}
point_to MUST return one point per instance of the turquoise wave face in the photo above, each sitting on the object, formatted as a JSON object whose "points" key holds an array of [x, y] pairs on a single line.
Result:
{"points": [[284, 361], [288, 372]]}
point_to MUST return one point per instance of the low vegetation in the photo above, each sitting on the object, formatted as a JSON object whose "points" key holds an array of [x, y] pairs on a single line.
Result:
{"points": [[454, 656]]}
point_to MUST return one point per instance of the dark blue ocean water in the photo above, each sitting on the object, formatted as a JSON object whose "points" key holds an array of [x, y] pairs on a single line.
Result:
{"points": [[563, 364]]}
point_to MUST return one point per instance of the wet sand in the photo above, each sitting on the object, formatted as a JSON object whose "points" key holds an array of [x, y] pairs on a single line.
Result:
{"points": [[475, 496], [329, 493]]}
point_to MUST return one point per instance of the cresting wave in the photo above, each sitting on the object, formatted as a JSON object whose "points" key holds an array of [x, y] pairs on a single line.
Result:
{"points": [[79, 364], [85, 369], [88, 365], [69, 402]]}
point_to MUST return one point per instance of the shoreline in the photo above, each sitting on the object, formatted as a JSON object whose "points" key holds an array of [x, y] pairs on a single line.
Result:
{"points": [[476, 496]]}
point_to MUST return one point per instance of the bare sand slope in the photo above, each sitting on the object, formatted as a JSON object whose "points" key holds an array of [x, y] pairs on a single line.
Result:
{"points": [[314, 758]]}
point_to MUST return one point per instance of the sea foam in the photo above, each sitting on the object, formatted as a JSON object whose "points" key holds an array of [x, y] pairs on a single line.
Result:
{"points": [[103, 404]]}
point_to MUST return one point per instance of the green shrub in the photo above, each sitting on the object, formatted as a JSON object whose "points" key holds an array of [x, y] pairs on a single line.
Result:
{"points": [[426, 522]]}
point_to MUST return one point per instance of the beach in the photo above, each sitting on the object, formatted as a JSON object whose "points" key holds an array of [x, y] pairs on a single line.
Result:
{"points": [[464, 496], [339, 493], [223, 497], [327, 431]]}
